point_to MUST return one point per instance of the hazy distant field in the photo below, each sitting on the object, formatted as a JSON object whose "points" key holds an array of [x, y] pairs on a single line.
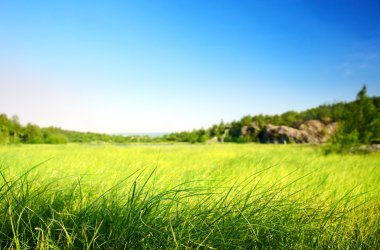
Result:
{"points": [[187, 196]]}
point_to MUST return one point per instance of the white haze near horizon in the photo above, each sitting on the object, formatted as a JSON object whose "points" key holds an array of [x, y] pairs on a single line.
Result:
{"points": [[47, 100]]}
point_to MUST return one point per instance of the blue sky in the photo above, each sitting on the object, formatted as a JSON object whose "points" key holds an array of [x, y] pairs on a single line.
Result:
{"points": [[161, 66]]}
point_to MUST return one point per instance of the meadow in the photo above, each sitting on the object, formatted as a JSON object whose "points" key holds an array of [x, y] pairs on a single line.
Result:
{"points": [[181, 196]]}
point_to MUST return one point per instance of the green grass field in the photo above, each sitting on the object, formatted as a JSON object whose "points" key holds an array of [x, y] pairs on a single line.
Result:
{"points": [[219, 196]]}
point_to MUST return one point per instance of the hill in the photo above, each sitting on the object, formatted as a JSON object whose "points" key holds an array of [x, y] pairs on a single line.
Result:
{"points": [[316, 125]]}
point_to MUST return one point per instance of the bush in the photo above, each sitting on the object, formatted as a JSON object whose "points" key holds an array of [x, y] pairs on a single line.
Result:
{"points": [[56, 139]]}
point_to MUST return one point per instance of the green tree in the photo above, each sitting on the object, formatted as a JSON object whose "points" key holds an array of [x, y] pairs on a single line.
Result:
{"points": [[52, 135], [366, 118], [33, 134], [5, 125], [360, 123], [290, 118], [260, 120], [16, 129], [246, 120], [234, 132]]}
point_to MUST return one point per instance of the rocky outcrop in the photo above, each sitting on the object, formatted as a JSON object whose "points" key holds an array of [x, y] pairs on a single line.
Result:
{"points": [[312, 131], [317, 131], [252, 130], [282, 134]]}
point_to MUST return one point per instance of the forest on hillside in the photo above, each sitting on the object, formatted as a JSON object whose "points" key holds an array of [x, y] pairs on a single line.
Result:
{"points": [[358, 123]]}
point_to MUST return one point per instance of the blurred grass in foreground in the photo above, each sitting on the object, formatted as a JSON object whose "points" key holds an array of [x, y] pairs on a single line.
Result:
{"points": [[187, 196]]}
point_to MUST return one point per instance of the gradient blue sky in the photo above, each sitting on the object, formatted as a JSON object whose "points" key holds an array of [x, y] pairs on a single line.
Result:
{"points": [[161, 66]]}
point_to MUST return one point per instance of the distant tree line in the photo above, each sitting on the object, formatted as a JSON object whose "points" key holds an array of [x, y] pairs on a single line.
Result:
{"points": [[12, 132], [359, 123]]}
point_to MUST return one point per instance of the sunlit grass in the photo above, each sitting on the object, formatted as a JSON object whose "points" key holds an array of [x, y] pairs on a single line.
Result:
{"points": [[187, 196]]}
